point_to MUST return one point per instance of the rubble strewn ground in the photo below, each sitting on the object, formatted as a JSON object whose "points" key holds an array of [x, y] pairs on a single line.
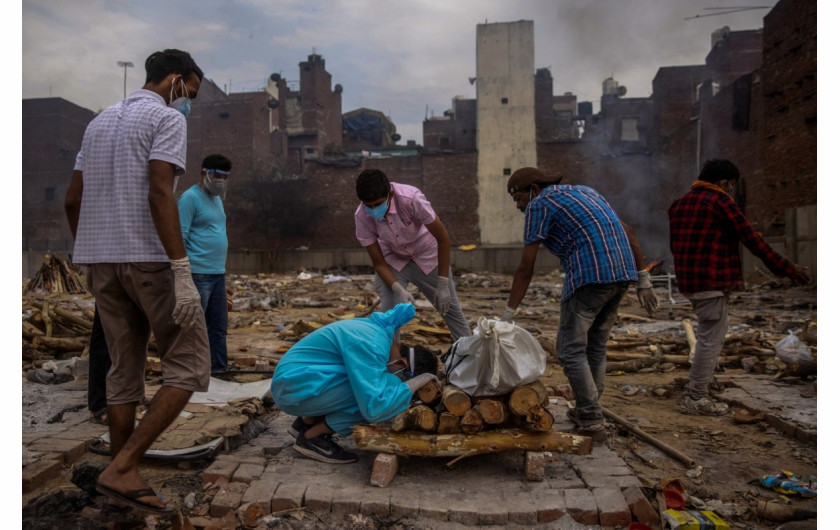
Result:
{"points": [[271, 312]]}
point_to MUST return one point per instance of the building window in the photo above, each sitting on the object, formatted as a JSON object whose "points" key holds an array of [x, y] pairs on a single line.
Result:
{"points": [[310, 150], [224, 115], [444, 140], [49, 194], [506, 171], [629, 130], [504, 101]]}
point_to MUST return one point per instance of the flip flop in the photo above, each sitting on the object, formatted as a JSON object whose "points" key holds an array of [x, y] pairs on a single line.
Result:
{"points": [[130, 498]]}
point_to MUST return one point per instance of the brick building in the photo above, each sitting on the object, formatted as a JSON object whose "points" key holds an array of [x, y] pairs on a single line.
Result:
{"points": [[52, 134]]}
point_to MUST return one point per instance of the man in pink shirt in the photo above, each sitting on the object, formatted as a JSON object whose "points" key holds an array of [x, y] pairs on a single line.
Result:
{"points": [[407, 243]]}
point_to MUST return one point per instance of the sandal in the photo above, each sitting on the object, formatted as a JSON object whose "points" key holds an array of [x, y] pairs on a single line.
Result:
{"points": [[100, 417]]}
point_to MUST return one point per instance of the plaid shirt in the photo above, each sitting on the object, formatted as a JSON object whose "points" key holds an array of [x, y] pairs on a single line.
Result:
{"points": [[576, 224], [706, 227]]}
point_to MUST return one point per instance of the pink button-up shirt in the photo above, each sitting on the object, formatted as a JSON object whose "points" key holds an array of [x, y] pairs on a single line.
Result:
{"points": [[402, 233]]}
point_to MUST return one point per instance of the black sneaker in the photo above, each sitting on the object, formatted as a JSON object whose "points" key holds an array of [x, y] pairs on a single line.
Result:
{"points": [[323, 448], [297, 427]]}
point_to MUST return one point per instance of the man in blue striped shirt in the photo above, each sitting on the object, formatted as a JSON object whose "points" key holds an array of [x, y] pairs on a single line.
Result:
{"points": [[600, 256]]}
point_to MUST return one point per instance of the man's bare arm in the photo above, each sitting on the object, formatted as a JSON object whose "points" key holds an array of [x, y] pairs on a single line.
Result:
{"points": [[164, 208]]}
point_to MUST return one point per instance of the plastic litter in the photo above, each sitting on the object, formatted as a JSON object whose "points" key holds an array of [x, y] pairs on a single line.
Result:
{"points": [[789, 484], [792, 350]]}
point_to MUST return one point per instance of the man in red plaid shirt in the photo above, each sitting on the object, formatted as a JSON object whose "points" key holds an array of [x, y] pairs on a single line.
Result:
{"points": [[706, 229]]}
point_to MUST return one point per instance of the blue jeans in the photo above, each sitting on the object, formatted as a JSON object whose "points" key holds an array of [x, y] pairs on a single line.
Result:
{"points": [[211, 288], [585, 322]]}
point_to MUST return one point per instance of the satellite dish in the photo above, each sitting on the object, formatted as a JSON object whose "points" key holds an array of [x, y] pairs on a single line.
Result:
{"points": [[622, 90], [275, 77], [396, 137], [273, 103]]}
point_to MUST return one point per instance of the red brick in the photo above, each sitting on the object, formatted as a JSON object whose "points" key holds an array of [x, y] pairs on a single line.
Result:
{"points": [[384, 470], [612, 508], [580, 504], [223, 469], [639, 505], [70, 450], [37, 473]]}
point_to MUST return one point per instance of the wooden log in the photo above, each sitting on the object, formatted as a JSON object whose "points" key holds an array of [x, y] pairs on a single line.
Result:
{"points": [[539, 419], [448, 423], [525, 397], [73, 318], [429, 394], [30, 331], [633, 365], [61, 343], [493, 411], [472, 422], [686, 460], [383, 440], [45, 314], [691, 338], [420, 418], [455, 400]]}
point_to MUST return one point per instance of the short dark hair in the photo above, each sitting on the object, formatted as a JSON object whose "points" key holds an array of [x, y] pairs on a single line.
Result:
{"points": [[425, 360], [718, 169], [161, 64], [216, 162], [372, 184]]}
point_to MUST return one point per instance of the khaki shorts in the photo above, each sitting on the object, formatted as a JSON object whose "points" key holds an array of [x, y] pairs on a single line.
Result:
{"points": [[133, 300]]}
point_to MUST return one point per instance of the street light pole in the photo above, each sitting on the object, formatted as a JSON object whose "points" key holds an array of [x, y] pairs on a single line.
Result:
{"points": [[125, 66]]}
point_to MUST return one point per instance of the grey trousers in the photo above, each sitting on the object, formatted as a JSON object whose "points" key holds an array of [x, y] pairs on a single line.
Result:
{"points": [[712, 324], [426, 283]]}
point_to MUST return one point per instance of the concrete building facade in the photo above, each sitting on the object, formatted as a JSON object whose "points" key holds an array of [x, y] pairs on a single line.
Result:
{"points": [[506, 131]]}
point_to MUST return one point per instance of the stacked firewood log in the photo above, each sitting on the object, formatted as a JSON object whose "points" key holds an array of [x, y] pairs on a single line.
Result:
{"points": [[446, 409], [51, 331], [57, 276]]}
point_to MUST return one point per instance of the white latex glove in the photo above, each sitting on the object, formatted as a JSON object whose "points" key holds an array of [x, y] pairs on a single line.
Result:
{"points": [[418, 382], [647, 297], [508, 314], [403, 296], [187, 300], [442, 296]]}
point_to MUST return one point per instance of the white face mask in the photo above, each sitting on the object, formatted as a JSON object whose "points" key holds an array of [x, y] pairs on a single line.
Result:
{"points": [[181, 104], [214, 185]]}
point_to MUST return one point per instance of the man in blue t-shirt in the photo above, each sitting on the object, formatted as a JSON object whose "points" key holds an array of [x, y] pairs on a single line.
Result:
{"points": [[600, 256], [205, 239]]}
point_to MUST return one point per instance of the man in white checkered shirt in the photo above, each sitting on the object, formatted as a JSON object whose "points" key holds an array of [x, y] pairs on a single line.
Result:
{"points": [[122, 211]]}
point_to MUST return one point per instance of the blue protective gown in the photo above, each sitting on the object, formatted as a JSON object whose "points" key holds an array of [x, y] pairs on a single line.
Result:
{"points": [[338, 371]]}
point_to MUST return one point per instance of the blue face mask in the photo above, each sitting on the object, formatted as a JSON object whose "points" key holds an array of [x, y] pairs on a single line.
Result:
{"points": [[181, 104], [377, 213]]}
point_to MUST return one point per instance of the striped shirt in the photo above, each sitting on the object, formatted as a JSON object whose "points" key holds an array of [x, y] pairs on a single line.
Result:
{"points": [[115, 221], [706, 229], [576, 224]]}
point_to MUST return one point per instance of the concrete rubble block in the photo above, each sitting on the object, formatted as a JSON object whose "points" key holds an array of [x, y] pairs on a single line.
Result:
{"points": [[226, 500], [376, 502], [580, 503], [37, 473], [241, 459], [612, 507], [593, 480], [534, 466], [318, 498], [405, 504], [261, 492], [611, 466], [247, 473], [347, 500], [223, 469], [384, 470], [288, 495], [70, 450], [640, 506]]}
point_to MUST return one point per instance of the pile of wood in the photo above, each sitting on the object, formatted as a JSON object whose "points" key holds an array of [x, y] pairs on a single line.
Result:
{"points": [[50, 331], [449, 410], [57, 276]]}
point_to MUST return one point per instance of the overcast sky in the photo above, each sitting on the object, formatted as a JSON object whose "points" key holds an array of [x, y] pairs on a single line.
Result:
{"points": [[393, 56]]}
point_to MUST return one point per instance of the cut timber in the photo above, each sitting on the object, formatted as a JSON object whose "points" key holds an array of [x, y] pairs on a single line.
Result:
{"points": [[371, 438], [493, 411], [420, 418], [691, 338], [633, 365], [455, 400], [448, 423], [471, 422], [73, 318], [429, 394], [525, 397], [61, 343], [538, 419]]}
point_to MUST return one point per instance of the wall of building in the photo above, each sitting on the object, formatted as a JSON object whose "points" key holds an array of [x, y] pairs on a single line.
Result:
{"points": [[506, 128], [788, 144], [52, 132]]}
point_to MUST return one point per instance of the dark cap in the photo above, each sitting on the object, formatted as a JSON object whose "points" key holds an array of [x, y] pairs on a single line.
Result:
{"points": [[523, 178]]}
